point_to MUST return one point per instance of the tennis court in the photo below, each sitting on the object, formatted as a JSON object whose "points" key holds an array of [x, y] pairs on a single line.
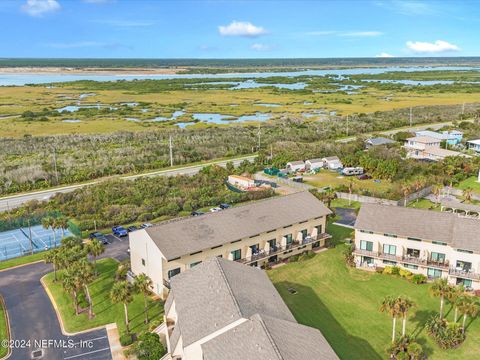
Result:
{"points": [[14, 243]]}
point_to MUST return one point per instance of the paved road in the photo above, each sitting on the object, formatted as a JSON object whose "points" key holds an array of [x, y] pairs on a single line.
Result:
{"points": [[13, 201], [33, 318]]}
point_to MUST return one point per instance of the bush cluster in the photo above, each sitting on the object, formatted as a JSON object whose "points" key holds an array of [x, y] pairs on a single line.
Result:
{"points": [[446, 335], [414, 278]]}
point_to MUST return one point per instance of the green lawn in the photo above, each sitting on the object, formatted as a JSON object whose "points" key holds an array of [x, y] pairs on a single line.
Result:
{"points": [[105, 311], [424, 204], [338, 233], [3, 330], [471, 182], [22, 260], [333, 179], [344, 203], [344, 304]]}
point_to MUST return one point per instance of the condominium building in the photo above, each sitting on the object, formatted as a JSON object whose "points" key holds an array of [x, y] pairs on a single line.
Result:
{"points": [[257, 233], [225, 310], [435, 244]]}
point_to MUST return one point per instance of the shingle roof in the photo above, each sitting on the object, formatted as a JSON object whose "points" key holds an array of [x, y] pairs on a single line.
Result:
{"points": [[296, 162], [332, 158], [266, 338], [219, 292], [443, 152], [458, 232], [318, 160], [459, 205], [424, 139], [188, 235]]}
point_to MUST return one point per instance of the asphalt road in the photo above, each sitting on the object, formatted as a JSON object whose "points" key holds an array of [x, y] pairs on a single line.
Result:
{"points": [[13, 201], [33, 318]]}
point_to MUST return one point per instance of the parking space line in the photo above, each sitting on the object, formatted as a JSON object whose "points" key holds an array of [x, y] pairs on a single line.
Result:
{"points": [[87, 353], [95, 339], [117, 238]]}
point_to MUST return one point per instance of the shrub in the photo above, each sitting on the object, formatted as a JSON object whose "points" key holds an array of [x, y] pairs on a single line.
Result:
{"points": [[446, 335], [307, 255], [126, 339], [391, 270], [405, 273], [149, 347], [418, 279], [348, 256], [405, 348], [293, 258]]}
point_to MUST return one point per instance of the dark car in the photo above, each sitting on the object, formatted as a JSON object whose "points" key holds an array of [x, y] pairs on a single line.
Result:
{"points": [[196, 213], [364, 177], [100, 237], [132, 228], [224, 206], [119, 231]]}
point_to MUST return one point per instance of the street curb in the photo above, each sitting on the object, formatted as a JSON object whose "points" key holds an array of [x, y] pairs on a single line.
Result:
{"points": [[7, 321], [18, 266]]}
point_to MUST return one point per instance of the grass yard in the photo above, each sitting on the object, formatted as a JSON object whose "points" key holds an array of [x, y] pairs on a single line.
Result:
{"points": [[6, 264], [105, 311], [424, 204], [344, 203], [471, 182], [344, 304], [333, 179], [3, 330]]}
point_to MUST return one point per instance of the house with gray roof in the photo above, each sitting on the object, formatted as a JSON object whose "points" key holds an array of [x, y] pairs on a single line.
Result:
{"points": [[257, 233], [435, 244], [225, 310], [378, 141]]}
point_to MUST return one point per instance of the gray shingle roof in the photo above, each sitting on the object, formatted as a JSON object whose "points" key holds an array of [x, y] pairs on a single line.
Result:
{"points": [[184, 236], [219, 292], [380, 141], [458, 232], [266, 338], [461, 206], [300, 162]]}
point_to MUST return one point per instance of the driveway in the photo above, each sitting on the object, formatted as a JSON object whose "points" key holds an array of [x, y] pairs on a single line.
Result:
{"points": [[33, 318]]}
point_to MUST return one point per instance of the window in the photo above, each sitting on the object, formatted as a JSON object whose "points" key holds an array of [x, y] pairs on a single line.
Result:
{"points": [[289, 238], [366, 232], [414, 239], [195, 264], [319, 229], [434, 273], [411, 267], [173, 272], [390, 235], [413, 253], [366, 245], [465, 251], [438, 257], [254, 248], [465, 282], [367, 260], [388, 262], [237, 254], [304, 233], [273, 244], [143, 262], [463, 265], [389, 249], [439, 243]]}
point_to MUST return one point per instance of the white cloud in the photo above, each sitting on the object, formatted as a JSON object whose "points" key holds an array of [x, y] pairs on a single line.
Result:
{"points": [[384, 55], [260, 47], [241, 28], [438, 46], [40, 7]]}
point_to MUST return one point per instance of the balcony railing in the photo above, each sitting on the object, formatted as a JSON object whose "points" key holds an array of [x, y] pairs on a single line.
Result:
{"points": [[405, 259], [464, 274], [262, 254]]}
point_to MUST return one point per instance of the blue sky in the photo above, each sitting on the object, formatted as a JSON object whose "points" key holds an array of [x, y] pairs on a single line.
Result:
{"points": [[238, 29]]}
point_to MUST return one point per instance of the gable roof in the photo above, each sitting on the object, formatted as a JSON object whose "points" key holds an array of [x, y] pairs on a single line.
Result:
{"points": [[218, 292], [317, 160], [444, 152], [458, 232], [266, 338], [184, 236], [380, 141], [424, 139], [296, 163]]}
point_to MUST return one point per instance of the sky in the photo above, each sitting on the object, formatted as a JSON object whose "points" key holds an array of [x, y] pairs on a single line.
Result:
{"points": [[238, 29]]}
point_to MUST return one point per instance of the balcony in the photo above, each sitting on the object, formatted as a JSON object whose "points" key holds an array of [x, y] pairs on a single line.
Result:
{"points": [[466, 274], [403, 259], [262, 254]]}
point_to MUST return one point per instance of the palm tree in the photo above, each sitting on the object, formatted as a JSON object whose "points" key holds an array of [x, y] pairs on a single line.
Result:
{"points": [[62, 223], [390, 305], [54, 257], [350, 189], [95, 248], [122, 293], [404, 304], [468, 307], [69, 283], [453, 297], [143, 284], [440, 288], [437, 190], [468, 194], [85, 274], [406, 188], [418, 184], [328, 196]]}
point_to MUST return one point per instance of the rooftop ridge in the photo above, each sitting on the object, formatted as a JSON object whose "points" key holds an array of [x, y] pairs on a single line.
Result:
{"points": [[267, 332], [229, 288]]}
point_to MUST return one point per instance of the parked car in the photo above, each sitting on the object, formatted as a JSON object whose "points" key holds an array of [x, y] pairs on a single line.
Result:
{"points": [[146, 225], [132, 228], [298, 179], [364, 177], [215, 209], [224, 206], [196, 213], [119, 231], [100, 237]]}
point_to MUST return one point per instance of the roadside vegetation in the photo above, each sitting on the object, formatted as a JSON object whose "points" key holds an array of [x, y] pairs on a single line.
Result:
{"points": [[6, 264], [4, 331]]}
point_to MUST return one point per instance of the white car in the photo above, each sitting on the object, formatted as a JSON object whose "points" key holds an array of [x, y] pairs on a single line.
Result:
{"points": [[215, 209]]}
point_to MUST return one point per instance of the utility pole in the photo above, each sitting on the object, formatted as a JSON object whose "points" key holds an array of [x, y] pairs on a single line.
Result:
{"points": [[463, 108], [171, 150], [411, 117], [55, 164]]}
